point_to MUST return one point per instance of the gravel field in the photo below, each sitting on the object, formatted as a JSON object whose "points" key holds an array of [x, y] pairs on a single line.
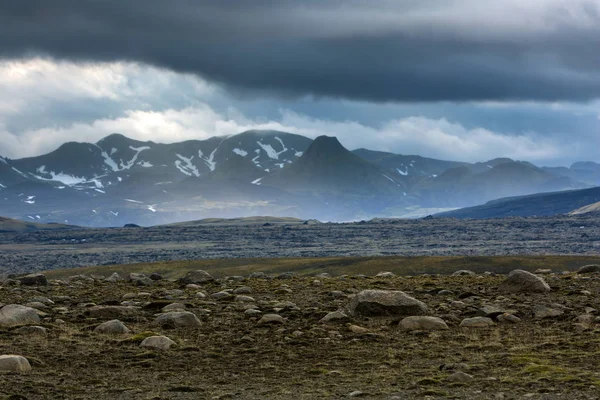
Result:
{"points": [[43, 250]]}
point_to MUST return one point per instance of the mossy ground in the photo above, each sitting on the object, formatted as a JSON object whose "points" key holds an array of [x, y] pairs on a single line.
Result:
{"points": [[230, 356]]}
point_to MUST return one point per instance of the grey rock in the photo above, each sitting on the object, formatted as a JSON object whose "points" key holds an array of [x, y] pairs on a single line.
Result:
{"points": [[546, 312], [271, 319], [477, 322], [115, 277], [335, 316], [156, 277], [197, 277], [385, 303], [34, 280], [113, 327], [422, 323], [242, 290], [508, 318], [519, 281], [15, 315], [460, 376], [14, 363], [257, 275], [174, 307], [157, 342], [385, 275], [323, 275], [285, 275], [178, 319], [463, 272], [33, 330], [588, 269], [243, 298]]}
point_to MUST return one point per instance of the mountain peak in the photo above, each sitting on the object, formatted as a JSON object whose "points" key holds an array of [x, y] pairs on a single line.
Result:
{"points": [[112, 138], [325, 145]]}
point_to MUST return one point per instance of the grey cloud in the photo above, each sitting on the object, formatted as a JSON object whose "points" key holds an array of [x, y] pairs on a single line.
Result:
{"points": [[380, 50]]}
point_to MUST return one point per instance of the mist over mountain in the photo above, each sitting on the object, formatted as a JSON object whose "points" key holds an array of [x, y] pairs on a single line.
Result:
{"points": [[119, 180]]}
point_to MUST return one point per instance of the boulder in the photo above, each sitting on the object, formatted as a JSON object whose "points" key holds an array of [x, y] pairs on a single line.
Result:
{"points": [[463, 272], [477, 322], [178, 319], [33, 330], [34, 280], [519, 281], [196, 277], [588, 269], [335, 316], [271, 319], [157, 342], [422, 323], [115, 277], [13, 363], [113, 327], [140, 280], [15, 315], [386, 303]]}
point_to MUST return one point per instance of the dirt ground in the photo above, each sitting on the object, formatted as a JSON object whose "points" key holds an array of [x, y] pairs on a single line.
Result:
{"points": [[232, 356]]}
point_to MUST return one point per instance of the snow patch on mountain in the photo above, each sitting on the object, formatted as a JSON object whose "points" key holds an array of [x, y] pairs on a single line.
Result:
{"points": [[299, 153], [271, 152], [210, 160], [133, 201], [256, 181], [110, 162], [132, 162], [185, 165], [145, 164], [19, 172], [113, 151], [2, 160], [403, 173], [69, 180], [151, 208], [385, 176], [240, 152]]}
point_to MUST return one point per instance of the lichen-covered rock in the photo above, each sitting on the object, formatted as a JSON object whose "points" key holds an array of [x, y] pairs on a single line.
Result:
{"points": [[422, 323], [519, 281], [386, 303], [178, 319], [13, 363], [16, 314], [196, 277]]}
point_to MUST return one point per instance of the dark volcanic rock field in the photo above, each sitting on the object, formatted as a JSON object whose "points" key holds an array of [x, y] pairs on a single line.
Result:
{"points": [[43, 250]]}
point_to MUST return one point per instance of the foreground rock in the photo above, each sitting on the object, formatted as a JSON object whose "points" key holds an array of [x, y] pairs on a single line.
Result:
{"points": [[114, 327], [477, 322], [12, 363], [34, 280], [15, 315], [181, 319], [196, 277], [588, 269], [157, 342], [519, 281], [422, 323], [386, 303]]}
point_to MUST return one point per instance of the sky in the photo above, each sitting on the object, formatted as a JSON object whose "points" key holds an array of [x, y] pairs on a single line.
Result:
{"points": [[466, 80]]}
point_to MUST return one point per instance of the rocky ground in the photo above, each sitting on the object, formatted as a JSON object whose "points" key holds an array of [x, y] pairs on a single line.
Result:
{"points": [[475, 336], [44, 250]]}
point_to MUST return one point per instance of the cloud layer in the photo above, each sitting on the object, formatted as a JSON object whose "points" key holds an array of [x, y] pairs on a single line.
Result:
{"points": [[380, 50]]}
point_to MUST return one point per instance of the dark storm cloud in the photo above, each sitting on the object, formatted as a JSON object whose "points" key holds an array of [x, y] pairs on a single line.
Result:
{"points": [[378, 50]]}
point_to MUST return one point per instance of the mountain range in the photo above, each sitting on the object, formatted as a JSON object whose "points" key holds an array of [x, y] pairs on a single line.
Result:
{"points": [[119, 180]]}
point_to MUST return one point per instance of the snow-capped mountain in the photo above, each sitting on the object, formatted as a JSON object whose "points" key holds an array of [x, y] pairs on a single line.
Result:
{"points": [[119, 180]]}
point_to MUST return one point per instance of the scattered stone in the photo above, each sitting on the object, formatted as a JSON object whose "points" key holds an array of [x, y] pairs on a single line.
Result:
{"points": [[115, 277], [252, 311], [358, 329], [385, 275], [174, 307], [463, 272], [257, 275], [445, 292], [543, 271], [587, 269], [523, 281], [34, 280], [422, 323], [156, 277], [323, 275], [242, 298], [178, 319], [157, 342], [271, 319], [140, 280], [197, 277], [508, 318], [221, 295], [460, 376], [546, 312], [15, 315], [113, 327], [13, 363], [477, 322], [356, 393], [336, 316], [385, 303], [242, 290]]}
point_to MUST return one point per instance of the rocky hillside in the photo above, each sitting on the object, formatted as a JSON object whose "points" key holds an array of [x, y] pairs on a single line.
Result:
{"points": [[462, 335]]}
